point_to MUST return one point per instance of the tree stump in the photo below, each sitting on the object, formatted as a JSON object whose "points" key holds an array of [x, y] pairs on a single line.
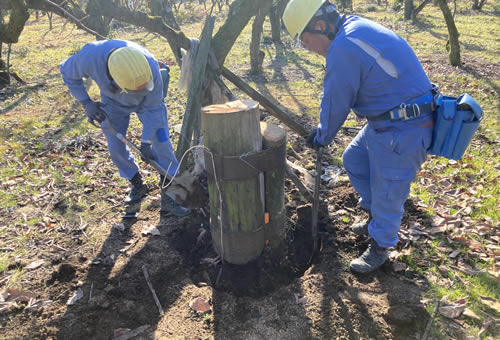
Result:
{"points": [[275, 137], [236, 206]]}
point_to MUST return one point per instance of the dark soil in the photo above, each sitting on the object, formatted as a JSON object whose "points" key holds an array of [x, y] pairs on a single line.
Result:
{"points": [[281, 299]]}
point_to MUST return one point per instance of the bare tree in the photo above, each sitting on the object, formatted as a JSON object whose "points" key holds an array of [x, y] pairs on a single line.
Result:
{"points": [[410, 11], [163, 9], [275, 16], [453, 44], [478, 4], [256, 55]]}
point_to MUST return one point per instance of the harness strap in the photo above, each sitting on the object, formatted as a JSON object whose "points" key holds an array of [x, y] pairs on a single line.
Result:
{"points": [[246, 166], [405, 112]]}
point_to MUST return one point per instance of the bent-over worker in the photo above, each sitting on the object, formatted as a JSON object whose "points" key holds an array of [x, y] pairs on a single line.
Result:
{"points": [[375, 73], [129, 80]]}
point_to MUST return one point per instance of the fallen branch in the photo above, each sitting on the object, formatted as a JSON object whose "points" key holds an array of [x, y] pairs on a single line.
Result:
{"points": [[146, 276], [429, 323]]}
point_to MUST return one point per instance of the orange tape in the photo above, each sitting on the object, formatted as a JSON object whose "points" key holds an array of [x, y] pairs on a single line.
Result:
{"points": [[266, 218]]}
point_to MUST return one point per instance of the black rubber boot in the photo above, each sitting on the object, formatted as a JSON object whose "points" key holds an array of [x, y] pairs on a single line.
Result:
{"points": [[361, 228], [138, 191], [168, 205], [372, 259]]}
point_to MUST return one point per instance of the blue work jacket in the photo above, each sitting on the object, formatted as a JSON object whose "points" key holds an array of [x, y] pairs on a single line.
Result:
{"points": [[91, 62], [370, 70]]}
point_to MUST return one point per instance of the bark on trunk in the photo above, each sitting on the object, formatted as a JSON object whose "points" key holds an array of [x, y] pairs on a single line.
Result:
{"points": [[240, 13], [18, 16], [408, 9], [163, 9], [275, 17], [454, 45], [256, 55], [102, 25], [420, 8], [236, 206]]}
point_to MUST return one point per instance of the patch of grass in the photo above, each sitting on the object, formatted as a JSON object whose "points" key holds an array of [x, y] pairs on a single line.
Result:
{"points": [[30, 147], [4, 263]]}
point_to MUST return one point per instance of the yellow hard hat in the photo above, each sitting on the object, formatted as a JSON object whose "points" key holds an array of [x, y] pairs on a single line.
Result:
{"points": [[298, 13], [130, 69]]}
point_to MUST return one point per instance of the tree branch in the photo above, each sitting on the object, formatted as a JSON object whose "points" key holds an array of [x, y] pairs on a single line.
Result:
{"points": [[76, 21]]}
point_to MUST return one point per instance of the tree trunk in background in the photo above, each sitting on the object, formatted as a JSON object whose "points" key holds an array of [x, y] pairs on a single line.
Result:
{"points": [[236, 206], [275, 17], [239, 14], [4, 76], [454, 45], [18, 16], [256, 55], [408, 9], [162, 8], [419, 8], [478, 4], [100, 24]]}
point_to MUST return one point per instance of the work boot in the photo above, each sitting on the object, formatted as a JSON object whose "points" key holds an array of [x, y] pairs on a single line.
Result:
{"points": [[138, 191], [373, 258], [169, 205], [361, 228]]}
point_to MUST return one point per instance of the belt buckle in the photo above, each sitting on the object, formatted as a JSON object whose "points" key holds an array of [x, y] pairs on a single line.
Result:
{"points": [[401, 112], [416, 112]]}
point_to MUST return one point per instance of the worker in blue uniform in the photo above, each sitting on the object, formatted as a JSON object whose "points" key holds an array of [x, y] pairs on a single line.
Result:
{"points": [[129, 80], [375, 73]]}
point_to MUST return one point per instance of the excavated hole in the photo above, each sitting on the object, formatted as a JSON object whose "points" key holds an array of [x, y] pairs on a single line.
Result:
{"points": [[275, 267]]}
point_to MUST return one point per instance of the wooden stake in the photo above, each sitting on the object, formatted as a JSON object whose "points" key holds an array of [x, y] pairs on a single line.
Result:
{"points": [[146, 276], [273, 137]]}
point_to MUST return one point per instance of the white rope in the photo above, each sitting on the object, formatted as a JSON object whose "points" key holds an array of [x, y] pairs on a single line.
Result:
{"points": [[163, 186]]}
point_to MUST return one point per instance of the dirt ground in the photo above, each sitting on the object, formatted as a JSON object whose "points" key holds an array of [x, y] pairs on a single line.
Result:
{"points": [[266, 299], [261, 300]]}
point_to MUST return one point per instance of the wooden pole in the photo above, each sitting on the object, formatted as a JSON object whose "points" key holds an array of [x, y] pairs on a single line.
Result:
{"points": [[286, 118], [274, 137], [193, 105], [236, 206]]}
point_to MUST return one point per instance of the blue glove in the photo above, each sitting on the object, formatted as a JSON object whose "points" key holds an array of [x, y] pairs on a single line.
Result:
{"points": [[91, 109], [311, 140], [147, 152]]}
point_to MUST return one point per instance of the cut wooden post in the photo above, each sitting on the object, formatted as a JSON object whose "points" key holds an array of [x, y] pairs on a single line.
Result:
{"points": [[275, 137], [236, 206]]}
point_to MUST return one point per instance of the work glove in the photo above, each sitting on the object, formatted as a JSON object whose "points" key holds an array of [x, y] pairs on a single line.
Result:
{"points": [[310, 140], [147, 152], [91, 109]]}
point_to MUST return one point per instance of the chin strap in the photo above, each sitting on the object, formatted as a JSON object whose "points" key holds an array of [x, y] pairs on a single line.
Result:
{"points": [[329, 33]]}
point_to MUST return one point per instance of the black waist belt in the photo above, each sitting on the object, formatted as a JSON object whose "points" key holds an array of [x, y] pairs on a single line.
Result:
{"points": [[406, 111]]}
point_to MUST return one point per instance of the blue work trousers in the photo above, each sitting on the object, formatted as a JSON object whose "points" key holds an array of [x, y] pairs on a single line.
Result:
{"points": [[120, 153], [381, 162]]}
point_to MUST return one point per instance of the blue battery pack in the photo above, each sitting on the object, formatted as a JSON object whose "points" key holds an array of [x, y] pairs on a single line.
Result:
{"points": [[455, 122]]}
